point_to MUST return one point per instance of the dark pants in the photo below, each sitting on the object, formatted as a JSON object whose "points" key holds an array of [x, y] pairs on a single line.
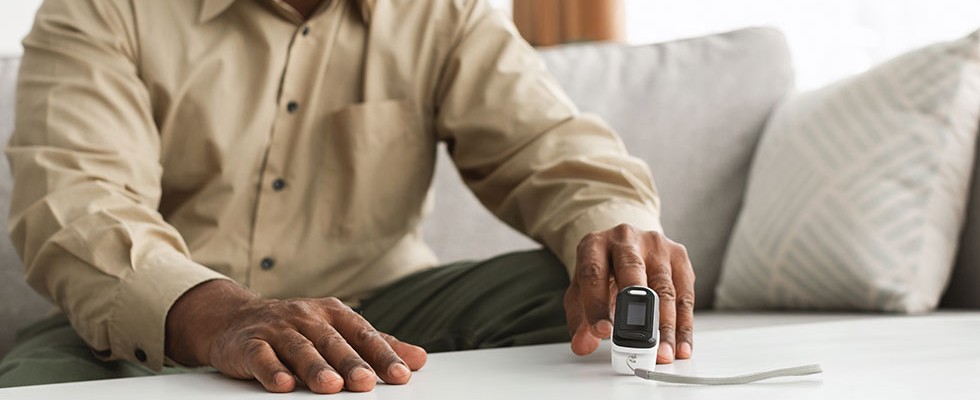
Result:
{"points": [[511, 300]]}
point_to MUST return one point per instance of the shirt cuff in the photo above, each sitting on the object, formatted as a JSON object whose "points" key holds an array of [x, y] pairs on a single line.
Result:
{"points": [[137, 324], [602, 217]]}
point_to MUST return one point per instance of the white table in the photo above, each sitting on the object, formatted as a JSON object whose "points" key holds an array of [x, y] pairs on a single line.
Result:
{"points": [[880, 357]]}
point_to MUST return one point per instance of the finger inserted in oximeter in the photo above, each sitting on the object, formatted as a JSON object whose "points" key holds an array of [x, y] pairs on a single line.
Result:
{"points": [[636, 335]]}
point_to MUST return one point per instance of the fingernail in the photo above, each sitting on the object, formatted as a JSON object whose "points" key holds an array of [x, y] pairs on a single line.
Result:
{"points": [[398, 370], [280, 378], [327, 376], [359, 373], [666, 352], [603, 327], [684, 350]]}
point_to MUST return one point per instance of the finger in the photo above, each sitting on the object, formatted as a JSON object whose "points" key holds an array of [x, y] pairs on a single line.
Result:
{"points": [[299, 354], [628, 257], [414, 356], [660, 279], [683, 274], [373, 348], [584, 342], [358, 375], [613, 294], [262, 363], [592, 282]]}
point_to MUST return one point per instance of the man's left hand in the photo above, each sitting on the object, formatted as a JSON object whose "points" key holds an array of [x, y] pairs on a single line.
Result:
{"points": [[625, 256]]}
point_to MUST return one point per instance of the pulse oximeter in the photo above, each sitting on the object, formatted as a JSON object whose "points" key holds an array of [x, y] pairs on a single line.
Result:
{"points": [[636, 333]]}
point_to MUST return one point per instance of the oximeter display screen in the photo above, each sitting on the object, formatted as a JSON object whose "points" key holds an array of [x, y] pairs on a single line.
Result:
{"points": [[636, 314]]}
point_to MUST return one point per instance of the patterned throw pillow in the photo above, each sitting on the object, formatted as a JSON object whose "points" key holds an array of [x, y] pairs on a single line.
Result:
{"points": [[857, 192]]}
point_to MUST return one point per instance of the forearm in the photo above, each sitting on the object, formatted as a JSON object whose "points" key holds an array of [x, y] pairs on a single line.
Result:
{"points": [[573, 179], [113, 266]]}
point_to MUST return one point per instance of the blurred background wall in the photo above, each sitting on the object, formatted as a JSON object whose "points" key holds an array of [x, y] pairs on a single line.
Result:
{"points": [[830, 38]]}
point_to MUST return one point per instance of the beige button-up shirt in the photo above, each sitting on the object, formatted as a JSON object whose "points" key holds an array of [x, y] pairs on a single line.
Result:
{"points": [[160, 144]]}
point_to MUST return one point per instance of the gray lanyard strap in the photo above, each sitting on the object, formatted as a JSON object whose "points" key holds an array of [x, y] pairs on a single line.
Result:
{"points": [[729, 380]]}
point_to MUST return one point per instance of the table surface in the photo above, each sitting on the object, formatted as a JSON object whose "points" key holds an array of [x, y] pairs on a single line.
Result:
{"points": [[880, 357]]}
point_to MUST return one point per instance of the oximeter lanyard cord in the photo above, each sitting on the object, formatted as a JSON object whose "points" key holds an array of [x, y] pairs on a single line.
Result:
{"points": [[730, 380]]}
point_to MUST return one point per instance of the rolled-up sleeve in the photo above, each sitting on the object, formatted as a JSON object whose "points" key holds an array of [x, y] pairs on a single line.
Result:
{"points": [[85, 157], [524, 149]]}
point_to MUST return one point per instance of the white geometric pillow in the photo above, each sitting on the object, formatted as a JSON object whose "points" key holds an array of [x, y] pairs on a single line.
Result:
{"points": [[857, 192]]}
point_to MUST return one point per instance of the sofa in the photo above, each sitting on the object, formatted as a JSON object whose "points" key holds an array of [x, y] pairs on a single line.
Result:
{"points": [[693, 109]]}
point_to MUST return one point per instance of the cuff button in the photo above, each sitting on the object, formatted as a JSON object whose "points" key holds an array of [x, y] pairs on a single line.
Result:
{"points": [[140, 354]]}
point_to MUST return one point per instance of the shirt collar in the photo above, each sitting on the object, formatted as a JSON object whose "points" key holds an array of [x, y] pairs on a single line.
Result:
{"points": [[213, 8]]}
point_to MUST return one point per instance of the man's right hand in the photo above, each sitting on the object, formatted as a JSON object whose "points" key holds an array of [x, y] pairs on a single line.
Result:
{"points": [[323, 342]]}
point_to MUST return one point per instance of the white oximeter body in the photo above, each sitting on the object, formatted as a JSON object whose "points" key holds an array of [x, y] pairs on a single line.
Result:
{"points": [[636, 333]]}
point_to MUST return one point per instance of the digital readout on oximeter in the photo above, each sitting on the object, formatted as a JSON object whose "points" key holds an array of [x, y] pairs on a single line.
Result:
{"points": [[636, 314]]}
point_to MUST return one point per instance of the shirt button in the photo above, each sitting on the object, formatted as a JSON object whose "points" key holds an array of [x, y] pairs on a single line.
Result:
{"points": [[140, 354], [306, 30], [292, 106], [279, 184], [267, 263]]}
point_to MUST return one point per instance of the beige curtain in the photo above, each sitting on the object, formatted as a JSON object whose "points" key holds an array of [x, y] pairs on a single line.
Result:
{"points": [[551, 22]]}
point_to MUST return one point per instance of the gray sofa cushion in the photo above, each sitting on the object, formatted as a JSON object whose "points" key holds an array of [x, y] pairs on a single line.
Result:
{"points": [[857, 194], [19, 304], [693, 109]]}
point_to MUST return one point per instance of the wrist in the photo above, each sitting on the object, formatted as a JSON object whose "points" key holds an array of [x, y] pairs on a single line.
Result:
{"points": [[199, 316]]}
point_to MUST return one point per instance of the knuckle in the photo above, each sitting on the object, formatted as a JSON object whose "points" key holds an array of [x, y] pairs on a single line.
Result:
{"points": [[386, 356], [629, 257], [591, 272], [689, 276], [662, 275], [367, 335], [314, 368], [665, 289], [623, 229], [295, 347], [327, 340], [329, 336], [588, 241], [391, 340], [658, 239], [253, 348], [299, 308], [685, 303], [348, 312], [336, 310], [685, 332], [387, 337], [680, 249], [667, 331], [253, 331], [333, 303], [350, 362]]}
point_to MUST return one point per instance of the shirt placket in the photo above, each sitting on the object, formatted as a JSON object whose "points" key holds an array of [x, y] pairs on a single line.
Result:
{"points": [[274, 196]]}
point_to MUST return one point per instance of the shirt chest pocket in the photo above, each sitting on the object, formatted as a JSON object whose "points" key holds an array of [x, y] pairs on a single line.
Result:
{"points": [[380, 159]]}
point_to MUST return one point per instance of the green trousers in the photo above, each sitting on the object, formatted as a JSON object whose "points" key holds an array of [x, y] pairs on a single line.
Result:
{"points": [[511, 300]]}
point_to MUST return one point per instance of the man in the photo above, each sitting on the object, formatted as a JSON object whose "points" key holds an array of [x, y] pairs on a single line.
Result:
{"points": [[217, 182]]}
